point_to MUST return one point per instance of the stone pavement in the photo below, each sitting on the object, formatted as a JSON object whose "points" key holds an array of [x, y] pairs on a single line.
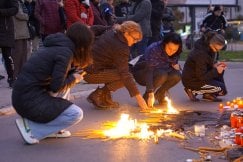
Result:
{"points": [[76, 149]]}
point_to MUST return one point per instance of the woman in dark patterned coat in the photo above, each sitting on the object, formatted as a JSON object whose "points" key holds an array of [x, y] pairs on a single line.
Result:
{"points": [[43, 77]]}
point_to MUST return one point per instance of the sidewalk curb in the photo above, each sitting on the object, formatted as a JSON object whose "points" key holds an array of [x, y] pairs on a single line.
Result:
{"points": [[9, 110]]}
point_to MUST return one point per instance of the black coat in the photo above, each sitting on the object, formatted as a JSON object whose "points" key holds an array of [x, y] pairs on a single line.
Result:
{"points": [[198, 69], [47, 70], [8, 8]]}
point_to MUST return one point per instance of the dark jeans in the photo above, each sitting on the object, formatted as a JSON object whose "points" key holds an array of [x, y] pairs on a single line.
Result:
{"points": [[8, 61], [162, 81]]}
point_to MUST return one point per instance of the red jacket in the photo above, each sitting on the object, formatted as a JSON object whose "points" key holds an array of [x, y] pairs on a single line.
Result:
{"points": [[89, 12], [73, 10]]}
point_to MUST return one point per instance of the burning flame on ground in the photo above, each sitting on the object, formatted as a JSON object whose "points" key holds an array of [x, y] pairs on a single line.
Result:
{"points": [[129, 128], [170, 108]]}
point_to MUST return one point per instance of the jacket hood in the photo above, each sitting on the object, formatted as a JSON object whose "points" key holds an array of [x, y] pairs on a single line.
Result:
{"points": [[58, 39]]}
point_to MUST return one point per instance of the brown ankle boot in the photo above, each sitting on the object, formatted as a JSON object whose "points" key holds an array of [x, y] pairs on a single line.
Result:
{"points": [[109, 101], [97, 97]]}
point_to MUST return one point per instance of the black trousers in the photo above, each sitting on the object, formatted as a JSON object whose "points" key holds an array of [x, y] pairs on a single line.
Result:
{"points": [[8, 61], [162, 81]]}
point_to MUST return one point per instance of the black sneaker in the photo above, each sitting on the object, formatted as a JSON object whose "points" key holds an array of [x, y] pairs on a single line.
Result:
{"points": [[191, 96], [211, 97]]}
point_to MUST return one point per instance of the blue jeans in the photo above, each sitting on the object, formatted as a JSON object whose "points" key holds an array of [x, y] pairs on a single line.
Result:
{"points": [[72, 115]]}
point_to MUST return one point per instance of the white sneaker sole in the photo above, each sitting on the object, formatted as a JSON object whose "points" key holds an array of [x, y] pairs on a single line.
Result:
{"points": [[25, 135]]}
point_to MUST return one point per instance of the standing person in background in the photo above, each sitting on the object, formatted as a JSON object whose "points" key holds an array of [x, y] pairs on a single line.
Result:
{"points": [[111, 65], [30, 5], [45, 75], [21, 50], [78, 11], [123, 8], [156, 20], [107, 10], [214, 21], [98, 17], [141, 14], [48, 14], [8, 8], [201, 75], [158, 68], [167, 19]]}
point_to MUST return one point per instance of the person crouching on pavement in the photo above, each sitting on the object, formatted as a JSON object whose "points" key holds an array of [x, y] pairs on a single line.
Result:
{"points": [[110, 65], [158, 68], [202, 75], [44, 77]]}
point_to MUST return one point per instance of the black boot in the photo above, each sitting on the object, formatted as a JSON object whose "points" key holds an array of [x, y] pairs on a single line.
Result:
{"points": [[108, 99], [97, 97]]}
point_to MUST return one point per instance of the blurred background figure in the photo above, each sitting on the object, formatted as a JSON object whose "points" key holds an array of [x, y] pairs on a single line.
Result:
{"points": [[167, 19], [30, 5], [141, 14], [214, 21], [7, 10], [48, 14], [123, 8], [78, 11], [107, 10], [99, 19], [156, 20], [21, 51]]}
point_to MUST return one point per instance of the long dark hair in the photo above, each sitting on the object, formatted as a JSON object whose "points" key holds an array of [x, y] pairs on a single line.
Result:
{"points": [[82, 38], [173, 38]]}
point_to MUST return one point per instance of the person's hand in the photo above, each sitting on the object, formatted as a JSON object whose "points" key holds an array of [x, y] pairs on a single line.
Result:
{"points": [[203, 29], [220, 66], [84, 15], [60, 3], [176, 66], [79, 76], [141, 102], [151, 100]]}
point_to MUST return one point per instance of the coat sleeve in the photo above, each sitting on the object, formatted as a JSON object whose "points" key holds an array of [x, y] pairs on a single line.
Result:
{"points": [[60, 78], [121, 62], [204, 70], [12, 10]]}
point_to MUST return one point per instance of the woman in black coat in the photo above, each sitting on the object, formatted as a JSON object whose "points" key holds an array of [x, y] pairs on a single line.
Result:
{"points": [[201, 73], [43, 77]]}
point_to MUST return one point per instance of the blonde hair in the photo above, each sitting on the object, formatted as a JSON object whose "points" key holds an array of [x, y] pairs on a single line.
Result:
{"points": [[130, 27]]}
